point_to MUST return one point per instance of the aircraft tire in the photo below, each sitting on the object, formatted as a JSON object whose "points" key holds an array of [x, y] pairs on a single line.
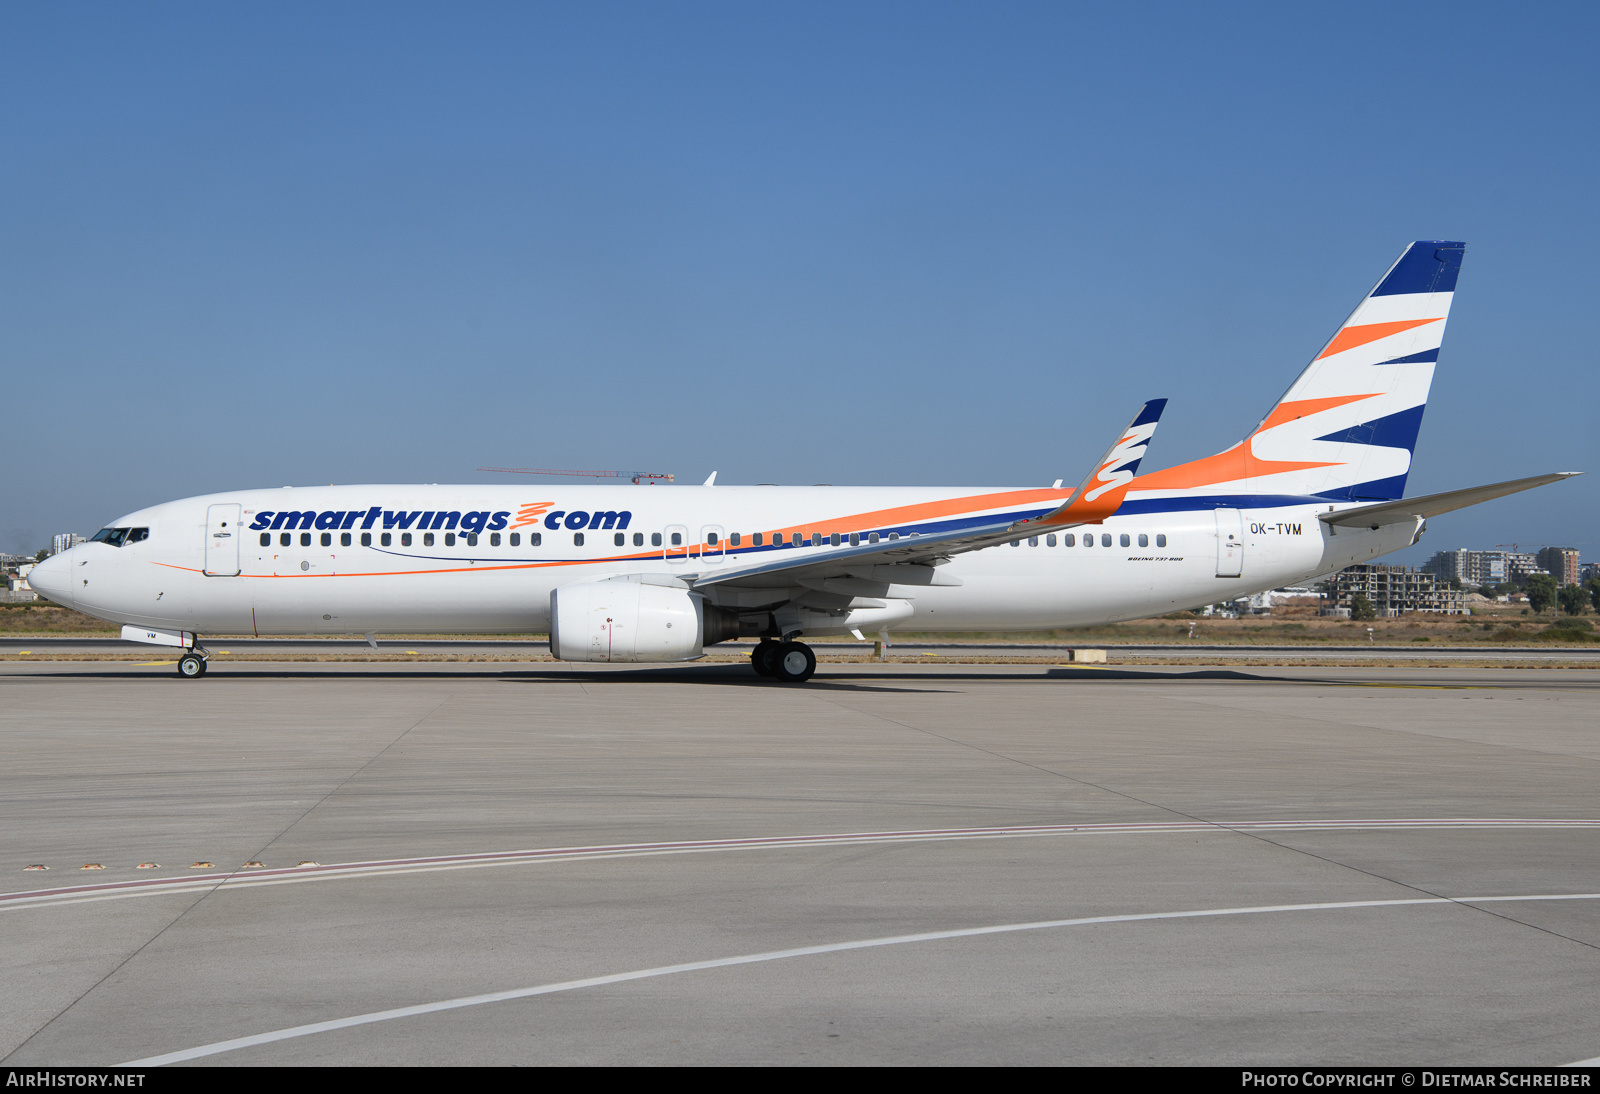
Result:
{"points": [[761, 658], [191, 666], [794, 663]]}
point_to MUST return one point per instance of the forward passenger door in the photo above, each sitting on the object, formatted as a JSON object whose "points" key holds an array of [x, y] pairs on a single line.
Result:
{"points": [[222, 541]]}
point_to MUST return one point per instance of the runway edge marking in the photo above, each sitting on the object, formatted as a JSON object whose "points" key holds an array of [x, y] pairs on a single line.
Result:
{"points": [[256, 878]]}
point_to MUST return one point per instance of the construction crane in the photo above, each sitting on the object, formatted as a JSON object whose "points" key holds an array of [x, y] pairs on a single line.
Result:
{"points": [[651, 477]]}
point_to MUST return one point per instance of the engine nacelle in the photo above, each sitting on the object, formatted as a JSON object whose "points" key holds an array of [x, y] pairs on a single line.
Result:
{"points": [[634, 621]]}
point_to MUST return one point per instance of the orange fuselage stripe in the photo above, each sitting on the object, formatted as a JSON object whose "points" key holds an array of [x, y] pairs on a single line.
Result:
{"points": [[844, 526]]}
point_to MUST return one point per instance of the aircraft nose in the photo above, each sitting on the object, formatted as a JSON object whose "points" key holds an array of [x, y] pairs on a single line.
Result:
{"points": [[52, 579]]}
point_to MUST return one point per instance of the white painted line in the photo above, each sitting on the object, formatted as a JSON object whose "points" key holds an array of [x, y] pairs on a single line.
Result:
{"points": [[117, 890], [218, 1047]]}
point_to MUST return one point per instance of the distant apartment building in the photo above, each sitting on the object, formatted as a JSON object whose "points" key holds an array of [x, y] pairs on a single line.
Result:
{"points": [[63, 541], [1395, 590], [17, 588], [1560, 563], [1478, 568]]}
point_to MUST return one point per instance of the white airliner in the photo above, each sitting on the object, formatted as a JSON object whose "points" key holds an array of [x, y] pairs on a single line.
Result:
{"points": [[656, 574]]}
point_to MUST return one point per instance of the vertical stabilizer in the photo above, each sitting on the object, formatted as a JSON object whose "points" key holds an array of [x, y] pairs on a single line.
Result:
{"points": [[1346, 428]]}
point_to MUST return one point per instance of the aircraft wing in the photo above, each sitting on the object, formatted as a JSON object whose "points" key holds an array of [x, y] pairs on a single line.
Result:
{"points": [[912, 560], [1431, 505]]}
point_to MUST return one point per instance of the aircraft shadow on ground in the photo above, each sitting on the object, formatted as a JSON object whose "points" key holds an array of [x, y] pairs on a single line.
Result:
{"points": [[738, 675], [711, 675]]}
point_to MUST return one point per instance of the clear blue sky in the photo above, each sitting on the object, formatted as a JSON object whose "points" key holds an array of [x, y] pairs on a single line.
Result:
{"points": [[910, 243]]}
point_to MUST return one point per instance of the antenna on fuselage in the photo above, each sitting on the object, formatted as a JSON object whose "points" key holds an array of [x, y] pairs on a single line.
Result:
{"points": [[637, 476]]}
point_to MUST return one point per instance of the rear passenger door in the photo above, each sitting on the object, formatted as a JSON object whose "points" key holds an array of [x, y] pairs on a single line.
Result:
{"points": [[1230, 543]]}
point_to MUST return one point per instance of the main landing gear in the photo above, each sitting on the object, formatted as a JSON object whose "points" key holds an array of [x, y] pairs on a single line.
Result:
{"points": [[791, 662], [192, 665]]}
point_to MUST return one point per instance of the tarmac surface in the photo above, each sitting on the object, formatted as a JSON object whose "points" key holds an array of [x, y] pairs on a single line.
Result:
{"points": [[469, 863], [520, 648]]}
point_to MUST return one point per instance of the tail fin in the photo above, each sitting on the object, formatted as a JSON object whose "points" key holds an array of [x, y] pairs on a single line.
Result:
{"points": [[1345, 430]]}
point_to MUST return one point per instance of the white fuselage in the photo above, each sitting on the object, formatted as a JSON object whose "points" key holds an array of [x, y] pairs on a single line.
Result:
{"points": [[326, 579]]}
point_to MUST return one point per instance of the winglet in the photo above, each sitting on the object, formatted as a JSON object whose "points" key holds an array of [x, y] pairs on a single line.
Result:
{"points": [[1102, 490]]}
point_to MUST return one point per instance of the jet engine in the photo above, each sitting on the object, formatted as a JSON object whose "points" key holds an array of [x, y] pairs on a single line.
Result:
{"points": [[635, 620]]}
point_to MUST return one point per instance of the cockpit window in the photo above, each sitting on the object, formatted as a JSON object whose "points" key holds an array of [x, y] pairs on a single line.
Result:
{"points": [[117, 537]]}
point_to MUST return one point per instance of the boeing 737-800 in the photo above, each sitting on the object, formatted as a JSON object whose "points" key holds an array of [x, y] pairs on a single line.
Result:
{"points": [[657, 574]]}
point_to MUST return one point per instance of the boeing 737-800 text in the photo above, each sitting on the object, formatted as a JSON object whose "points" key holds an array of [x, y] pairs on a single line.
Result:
{"points": [[657, 574]]}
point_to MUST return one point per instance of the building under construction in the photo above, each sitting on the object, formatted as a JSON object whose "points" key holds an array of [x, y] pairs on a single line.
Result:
{"points": [[1395, 590]]}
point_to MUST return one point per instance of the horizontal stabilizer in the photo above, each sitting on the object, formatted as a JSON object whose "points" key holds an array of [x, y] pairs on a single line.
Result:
{"points": [[1431, 505]]}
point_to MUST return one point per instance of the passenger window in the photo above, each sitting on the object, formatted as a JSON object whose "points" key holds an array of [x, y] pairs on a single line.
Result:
{"points": [[305, 539], [1144, 540], [1033, 541], [1050, 540], [816, 539], [1088, 540], [711, 539], [516, 539], [655, 539], [833, 540], [855, 539], [427, 539], [535, 538], [894, 535], [366, 539], [327, 539], [1161, 540], [577, 539], [638, 539], [1016, 543], [1105, 539], [386, 539], [794, 539], [755, 540], [1069, 540], [449, 539], [344, 539], [1125, 541], [494, 539], [677, 539], [405, 539], [472, 539], [621, 539], [872, 537], [266, 539], [733, 540]]}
